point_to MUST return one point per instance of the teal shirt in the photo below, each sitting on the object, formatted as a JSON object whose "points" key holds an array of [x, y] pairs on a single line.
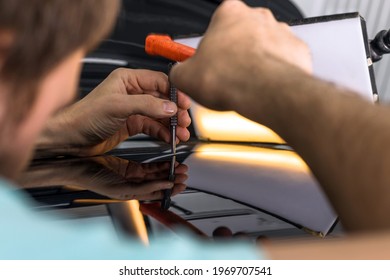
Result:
{"points": [[26, 234]]}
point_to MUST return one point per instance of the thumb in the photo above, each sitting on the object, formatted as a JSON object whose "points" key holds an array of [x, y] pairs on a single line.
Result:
{"points": [[148, 105]]}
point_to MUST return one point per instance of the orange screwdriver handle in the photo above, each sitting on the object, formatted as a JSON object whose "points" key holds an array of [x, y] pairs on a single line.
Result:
{"points": [[164, 46]]}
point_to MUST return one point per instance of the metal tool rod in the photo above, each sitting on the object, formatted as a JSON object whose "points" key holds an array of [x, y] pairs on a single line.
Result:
{"points": [[166, 201]]}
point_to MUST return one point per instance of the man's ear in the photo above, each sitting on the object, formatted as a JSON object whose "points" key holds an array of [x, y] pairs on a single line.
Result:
{"points": [[6, 39]]}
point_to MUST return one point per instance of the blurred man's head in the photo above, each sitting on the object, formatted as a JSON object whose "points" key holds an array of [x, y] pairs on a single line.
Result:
{"points": [[41, 44]]}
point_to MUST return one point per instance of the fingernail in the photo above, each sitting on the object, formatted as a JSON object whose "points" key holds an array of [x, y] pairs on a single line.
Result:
{"points": [[169, 107]]}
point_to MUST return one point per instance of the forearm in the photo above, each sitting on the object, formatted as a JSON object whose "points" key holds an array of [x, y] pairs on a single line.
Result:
{"points": [[341, 137], [56, 139], [54, 174], [361, 247]]}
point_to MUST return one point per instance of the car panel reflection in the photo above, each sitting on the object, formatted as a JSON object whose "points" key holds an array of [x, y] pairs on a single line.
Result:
{"points": [[219, 190]]}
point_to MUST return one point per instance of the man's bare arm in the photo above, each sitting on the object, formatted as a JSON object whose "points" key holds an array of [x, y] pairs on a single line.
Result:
{"points": [[126, 103], [359, 247], [252, 64], [341, 137]]}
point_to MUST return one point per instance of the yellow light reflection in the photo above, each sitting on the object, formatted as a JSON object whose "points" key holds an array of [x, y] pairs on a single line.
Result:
{"points": [[138, 220], [251, 155], [230, 126], [132, 208]]}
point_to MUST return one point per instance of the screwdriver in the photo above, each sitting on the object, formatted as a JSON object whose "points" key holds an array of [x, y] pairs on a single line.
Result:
{"points": [[173, 119], [166, 201], [164, 46], [160, 45]]}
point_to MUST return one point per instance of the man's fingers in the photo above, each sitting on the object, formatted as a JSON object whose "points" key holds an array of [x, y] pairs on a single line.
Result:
{"points": [[183, 118], [155, 167], [144, 114], [139, 81], [154, 128], [179, 76], [146, 190], [148, 126], [183, 101], [147, 105], [182, 134]]}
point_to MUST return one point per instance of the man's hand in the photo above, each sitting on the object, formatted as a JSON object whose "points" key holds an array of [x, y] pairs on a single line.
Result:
{"points": [[249, 63], [240, 46], [109, 176], [128, 102]]}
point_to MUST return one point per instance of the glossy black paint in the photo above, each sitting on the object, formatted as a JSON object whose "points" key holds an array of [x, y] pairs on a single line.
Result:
{"points": [[241, 189]]}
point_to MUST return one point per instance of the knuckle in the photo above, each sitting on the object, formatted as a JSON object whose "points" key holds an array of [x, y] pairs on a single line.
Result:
{"points": [[266, 13], [285, 26], [227, 7], [119, 72]]}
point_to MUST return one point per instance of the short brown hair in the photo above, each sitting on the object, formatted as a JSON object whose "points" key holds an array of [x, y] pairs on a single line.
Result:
{"points": [[44, 33]]}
